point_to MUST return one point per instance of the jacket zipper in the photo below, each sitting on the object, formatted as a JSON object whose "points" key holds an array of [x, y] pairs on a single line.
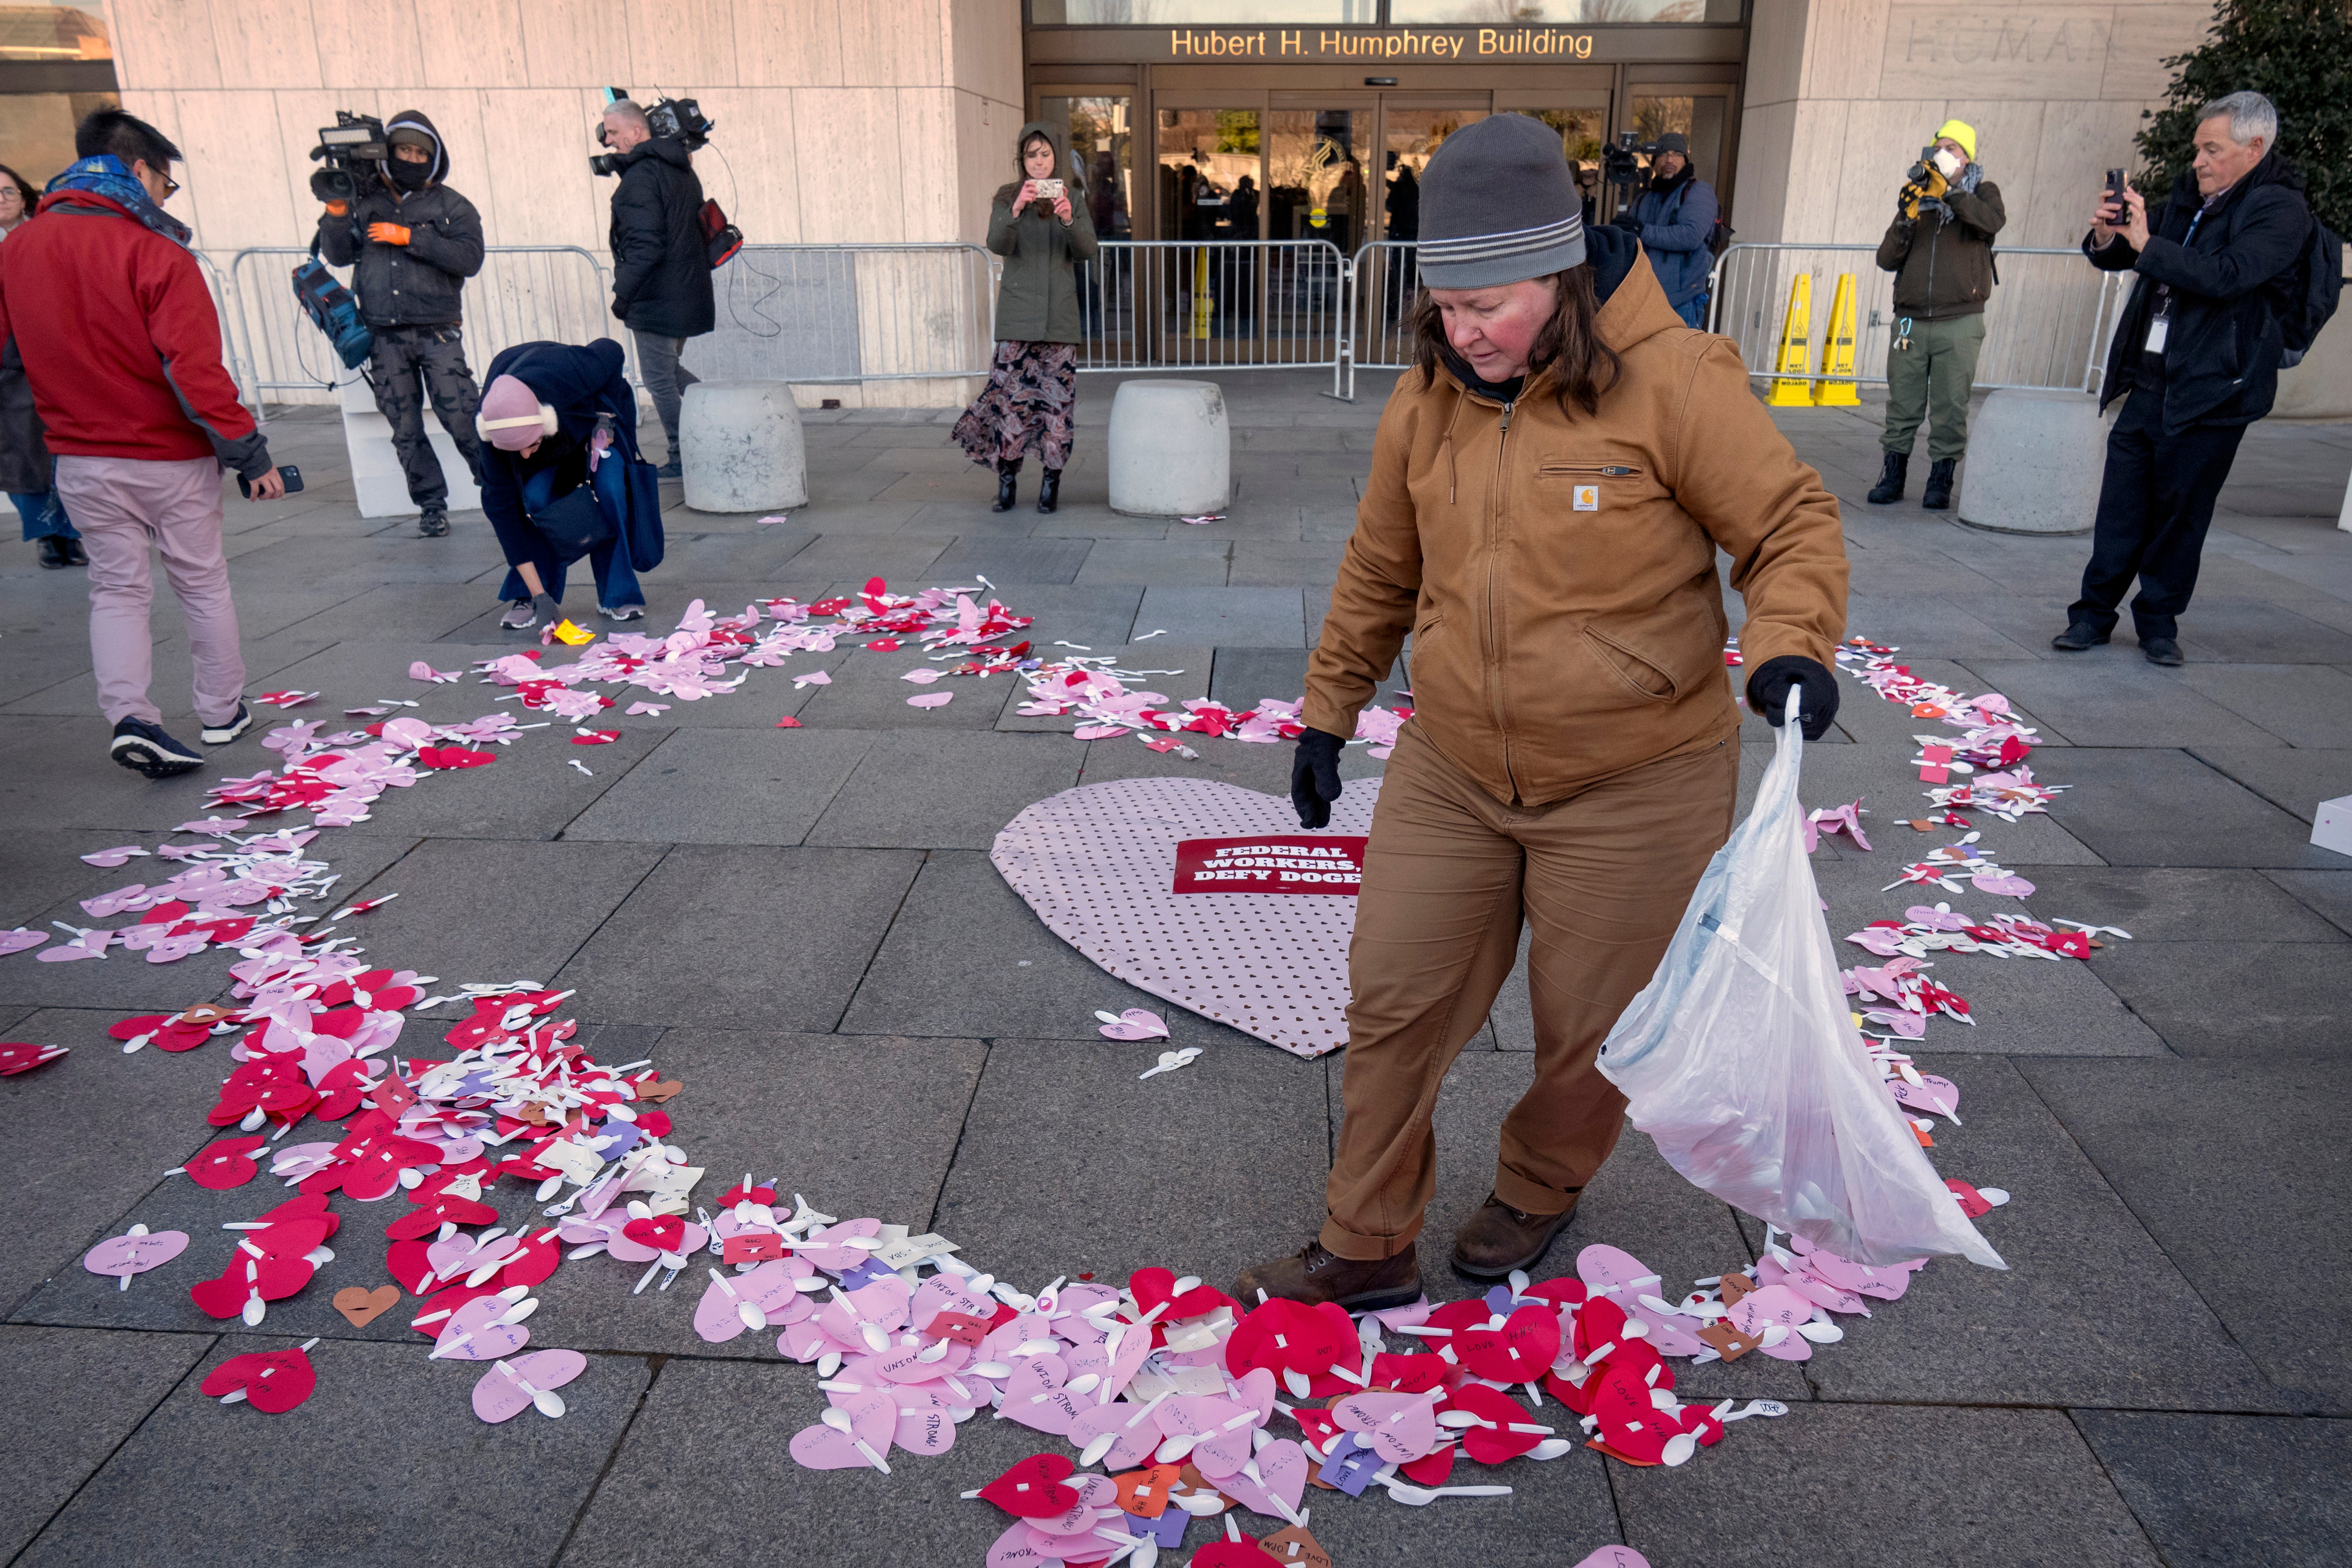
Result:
{"points": [[1606, 471], [1494, 653]]}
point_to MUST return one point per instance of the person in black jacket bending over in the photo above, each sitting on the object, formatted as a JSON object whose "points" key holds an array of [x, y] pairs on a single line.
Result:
{"points": [[2198, 353], [661, 274], [415, 242]]}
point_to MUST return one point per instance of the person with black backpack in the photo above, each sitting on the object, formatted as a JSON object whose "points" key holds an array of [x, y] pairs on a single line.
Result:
{"points": [[661, 263], [2195, 356], [1674, 219]]}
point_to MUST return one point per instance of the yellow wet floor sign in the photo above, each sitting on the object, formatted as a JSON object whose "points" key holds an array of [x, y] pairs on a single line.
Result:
{"points": [[1796, 341]]}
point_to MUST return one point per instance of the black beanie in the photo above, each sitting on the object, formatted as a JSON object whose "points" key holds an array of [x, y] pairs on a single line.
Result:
{"points": [[1499, 204]]}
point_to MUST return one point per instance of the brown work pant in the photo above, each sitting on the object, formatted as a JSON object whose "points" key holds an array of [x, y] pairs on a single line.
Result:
{"points": [[1602, 876]]}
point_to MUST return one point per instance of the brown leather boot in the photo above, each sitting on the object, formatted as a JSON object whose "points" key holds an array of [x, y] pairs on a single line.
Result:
{"points": [[1500, 1238], [1314, 1275]]}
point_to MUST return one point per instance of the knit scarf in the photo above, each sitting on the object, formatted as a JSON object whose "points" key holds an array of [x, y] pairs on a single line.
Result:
{"points": [[106, 175], [1966, 184]]}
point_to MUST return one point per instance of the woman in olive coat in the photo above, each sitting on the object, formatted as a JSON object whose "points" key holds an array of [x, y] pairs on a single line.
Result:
{"points": [[1032, 387]]}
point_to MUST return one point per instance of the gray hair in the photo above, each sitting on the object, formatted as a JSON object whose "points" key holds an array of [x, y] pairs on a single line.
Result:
{"points": [[2250, 115], [629, 113]]}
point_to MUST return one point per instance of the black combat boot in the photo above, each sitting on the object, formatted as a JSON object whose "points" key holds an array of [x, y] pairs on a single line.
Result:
{"points": [[1938, 496], [1049, 490], [1889, 488], [1006, 473]]}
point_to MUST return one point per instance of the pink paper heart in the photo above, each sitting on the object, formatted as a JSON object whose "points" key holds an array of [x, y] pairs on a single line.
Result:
{"points": [[461, 1255], [922, 676], [1137, 1433], [767, 1289], [470, 1335], [1034, 1395], [18, 940], [1135, 1024], [500, 1396], [2007, 884], [420, 670], [873, 1418], [1282, 1469], [1220, 1430], [928, 1430], [837, 1259], [1400, 1427], [1616, 1273], [932, 699], [1099, 732], [123, 1256], [115, 857], [1116, 1367]]}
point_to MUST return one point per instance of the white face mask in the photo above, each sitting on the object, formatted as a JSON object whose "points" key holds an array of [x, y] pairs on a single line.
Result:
{"points": [[1949, 161]]}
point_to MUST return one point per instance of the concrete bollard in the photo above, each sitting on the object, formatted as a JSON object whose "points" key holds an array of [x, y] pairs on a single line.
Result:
{"points": [[1171, 452], [2034, 463], [739, 443]]}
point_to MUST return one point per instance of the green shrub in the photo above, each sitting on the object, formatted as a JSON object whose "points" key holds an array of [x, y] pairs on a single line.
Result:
{"points": [[2297, 54]]}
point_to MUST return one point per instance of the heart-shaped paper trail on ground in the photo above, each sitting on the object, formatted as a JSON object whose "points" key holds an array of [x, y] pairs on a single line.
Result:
{"points": [[500, 1397], [1099, 863], [273, 1380]]}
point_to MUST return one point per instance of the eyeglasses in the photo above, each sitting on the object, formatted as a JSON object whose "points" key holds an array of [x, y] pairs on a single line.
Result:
{"points": [[171, 187]]}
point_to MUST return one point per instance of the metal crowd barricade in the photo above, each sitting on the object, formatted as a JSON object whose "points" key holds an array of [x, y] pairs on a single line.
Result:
{"points": [[1382, 281], [524, 293], [842, 314], [1164, 304], [2046, 325], [233, 357]]}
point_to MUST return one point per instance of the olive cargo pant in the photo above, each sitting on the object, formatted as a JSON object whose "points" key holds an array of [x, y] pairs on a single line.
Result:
{"points": [[1602, 876], [1932, 377]]}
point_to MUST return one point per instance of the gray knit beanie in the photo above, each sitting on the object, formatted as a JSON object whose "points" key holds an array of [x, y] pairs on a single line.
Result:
{"points": [[1499, 204]]}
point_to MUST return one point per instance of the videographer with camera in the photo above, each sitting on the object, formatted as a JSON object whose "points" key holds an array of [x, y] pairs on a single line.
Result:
{"points": [[1939, 249], [413, 242], [2198, 350], [1674, 219], [661, 269]]}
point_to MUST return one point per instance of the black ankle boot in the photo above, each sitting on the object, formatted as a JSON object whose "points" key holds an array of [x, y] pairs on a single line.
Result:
{"points": [[1006, 473], [1889, 488], [1049, 490], [1938, 496]]}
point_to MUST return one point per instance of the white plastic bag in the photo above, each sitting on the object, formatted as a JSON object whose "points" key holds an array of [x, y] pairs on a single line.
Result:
{"points": [[1741, 1059]]}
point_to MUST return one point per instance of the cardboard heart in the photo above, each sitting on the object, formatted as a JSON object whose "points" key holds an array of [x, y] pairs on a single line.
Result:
{"points": [[136, 1252], [1293, 1545], [1098, 863], [505, 1391], [274, 1381], [361, 1308]]}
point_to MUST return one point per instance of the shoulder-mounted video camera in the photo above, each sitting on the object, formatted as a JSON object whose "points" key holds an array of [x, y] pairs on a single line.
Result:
{"points": [[350, 149], [1621, 166], [681, 118]]}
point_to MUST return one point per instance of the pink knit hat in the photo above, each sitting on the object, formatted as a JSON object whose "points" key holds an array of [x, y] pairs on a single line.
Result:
{"points": [[511, 416]]}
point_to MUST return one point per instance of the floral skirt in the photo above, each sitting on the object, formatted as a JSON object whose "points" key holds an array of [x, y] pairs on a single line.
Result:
{"points": [[1025, 406]]}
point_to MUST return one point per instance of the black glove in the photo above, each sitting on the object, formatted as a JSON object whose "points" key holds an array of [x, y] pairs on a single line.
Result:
{"points": [[1767, 693], [1629, 223], [1315, 777], [548, 611]]}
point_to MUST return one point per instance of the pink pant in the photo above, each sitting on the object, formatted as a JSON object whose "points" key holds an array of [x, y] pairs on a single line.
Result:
{"points": [[121, 505]]}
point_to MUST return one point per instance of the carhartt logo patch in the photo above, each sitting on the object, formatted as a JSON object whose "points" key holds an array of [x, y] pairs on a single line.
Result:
{"points": [[1587, 497]]}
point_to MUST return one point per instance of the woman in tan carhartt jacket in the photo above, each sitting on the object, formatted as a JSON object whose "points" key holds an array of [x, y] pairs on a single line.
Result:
{"points": [[1547, 495]]}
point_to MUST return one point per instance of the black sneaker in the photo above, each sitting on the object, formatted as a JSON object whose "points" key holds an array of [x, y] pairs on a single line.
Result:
{"points": [[145, 748], [672, 469], [2078, 636], [74, 555], [54, 553], [433, 523], [228, 729]]}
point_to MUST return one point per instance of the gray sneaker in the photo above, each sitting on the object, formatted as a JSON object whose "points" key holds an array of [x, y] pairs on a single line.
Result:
{"points": [[519, 616], [622, 611]]}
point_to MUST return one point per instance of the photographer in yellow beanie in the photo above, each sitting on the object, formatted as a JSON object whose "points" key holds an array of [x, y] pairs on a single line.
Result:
{"points": [[1939, 249]]}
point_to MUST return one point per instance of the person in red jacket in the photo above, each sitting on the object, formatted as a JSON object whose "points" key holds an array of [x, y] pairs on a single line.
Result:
{"points": [[121, 345]]}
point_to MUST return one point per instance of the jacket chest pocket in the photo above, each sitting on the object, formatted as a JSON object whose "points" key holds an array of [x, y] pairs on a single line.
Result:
{"points": [[1589, 487]]}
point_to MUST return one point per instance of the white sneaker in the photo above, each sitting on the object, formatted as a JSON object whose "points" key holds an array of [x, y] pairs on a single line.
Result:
{"points": [[518, 616], [622, 612]]}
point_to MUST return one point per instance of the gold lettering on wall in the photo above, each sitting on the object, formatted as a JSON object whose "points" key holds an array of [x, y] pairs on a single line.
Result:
{"points": [[1389, 44]]}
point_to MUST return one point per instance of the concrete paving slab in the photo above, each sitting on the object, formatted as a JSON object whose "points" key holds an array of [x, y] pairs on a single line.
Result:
{"points": [[1033, 1196], [161, 1496], [1283, 564], [2152, 807], [868, 692], [1176, 672], [2165, 904], [1014, 559], [2091, 1311], [2293, 781], [2228, 1207], [712, 786], [1230, 617], [1242, 677], [2109, 702], [76, 1395], [1178, 561], [2329, 893], [966, 958], [2302, 704], [687, 946], [2236, 998], [914, 791], [1978, 1485], [561, 893], [2232, 1491]]}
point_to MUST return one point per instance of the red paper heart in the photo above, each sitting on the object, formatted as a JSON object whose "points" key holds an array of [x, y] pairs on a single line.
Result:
{"points": [[1033, 1489], [1521, 1351], [275, 1277], [273, 1380], [454, 757], [1493, 1445], [1632, 1427], [534, 1262], [661, 1232], [1431, 1468], [1154, 1285], [225, 1164], [1242, 1553], [448, 1208], [1283, 1336], [1409, 1373]]}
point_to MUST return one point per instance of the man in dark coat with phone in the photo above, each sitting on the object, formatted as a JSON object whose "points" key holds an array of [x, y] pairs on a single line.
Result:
{"points": [[2196, 357], [661, 271]]}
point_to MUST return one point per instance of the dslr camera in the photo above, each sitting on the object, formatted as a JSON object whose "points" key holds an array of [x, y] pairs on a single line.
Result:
{"points": [[1621, 166], [350, 149], [669, 117]]}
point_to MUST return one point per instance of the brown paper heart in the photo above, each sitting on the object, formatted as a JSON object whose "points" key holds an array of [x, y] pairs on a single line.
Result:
{"points": [[1098, 864], [659, 1093], [364, 1307]]}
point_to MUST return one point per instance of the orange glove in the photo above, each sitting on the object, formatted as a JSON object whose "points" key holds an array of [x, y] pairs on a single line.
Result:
{"points": [[387, 234], [340, 209]]}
